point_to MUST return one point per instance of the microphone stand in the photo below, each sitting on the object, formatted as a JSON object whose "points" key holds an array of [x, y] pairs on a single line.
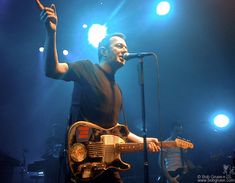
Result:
{"points": [[146, 163]]}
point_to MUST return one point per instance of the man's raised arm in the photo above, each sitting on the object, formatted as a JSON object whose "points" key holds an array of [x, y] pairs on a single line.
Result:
{"points": [[53, 67]]}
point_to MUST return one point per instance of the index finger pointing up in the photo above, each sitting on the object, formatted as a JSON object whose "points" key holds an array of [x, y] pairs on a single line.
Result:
{"points": [[40, 5]]}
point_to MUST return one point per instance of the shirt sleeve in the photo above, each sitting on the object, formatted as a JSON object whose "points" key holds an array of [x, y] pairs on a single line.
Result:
{"points": [[77, 70]]}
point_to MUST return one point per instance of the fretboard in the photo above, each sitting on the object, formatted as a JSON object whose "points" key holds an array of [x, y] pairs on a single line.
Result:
{"points": [[132, 147]]}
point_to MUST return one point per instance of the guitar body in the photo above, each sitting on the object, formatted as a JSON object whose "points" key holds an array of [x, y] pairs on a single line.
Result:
{"points": [[91, 149]]}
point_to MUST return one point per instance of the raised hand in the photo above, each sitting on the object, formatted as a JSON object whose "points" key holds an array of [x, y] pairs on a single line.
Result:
{"points": [[48, 16], [40, 5]]}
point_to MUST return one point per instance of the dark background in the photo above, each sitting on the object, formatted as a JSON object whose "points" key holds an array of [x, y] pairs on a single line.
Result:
{"points": [[196, 51]]}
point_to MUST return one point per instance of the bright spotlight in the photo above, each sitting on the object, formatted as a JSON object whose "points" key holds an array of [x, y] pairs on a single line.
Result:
{"points": [[41, 49], [96, 33], [65, 52], [163, 8], [221, 121]]}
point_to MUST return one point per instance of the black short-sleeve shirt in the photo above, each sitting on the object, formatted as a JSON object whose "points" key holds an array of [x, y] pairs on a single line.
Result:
{"points": [[96, 97]]}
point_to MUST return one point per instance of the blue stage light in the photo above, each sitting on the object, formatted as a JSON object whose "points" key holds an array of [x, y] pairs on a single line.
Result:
{"points": [[65, 52], [84, 26], [221, 121], [41, 49]]}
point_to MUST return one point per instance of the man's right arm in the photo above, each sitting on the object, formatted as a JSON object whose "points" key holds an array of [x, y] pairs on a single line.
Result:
{"points": [[53, 68]]}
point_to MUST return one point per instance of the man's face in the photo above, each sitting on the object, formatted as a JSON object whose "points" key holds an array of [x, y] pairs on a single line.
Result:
{"points": [[117, 48]]}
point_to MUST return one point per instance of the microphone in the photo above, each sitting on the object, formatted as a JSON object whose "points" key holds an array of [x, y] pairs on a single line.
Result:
{"points": [[128, 56]]}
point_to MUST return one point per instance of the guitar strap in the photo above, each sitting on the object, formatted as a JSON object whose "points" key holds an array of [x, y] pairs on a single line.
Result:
{"points": [[122, 109], [124, 115]]}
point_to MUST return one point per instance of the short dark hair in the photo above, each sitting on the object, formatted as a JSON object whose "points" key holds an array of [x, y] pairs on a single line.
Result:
{"points": [[106, 41]]}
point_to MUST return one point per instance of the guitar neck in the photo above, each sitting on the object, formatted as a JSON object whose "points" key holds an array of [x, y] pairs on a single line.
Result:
{"points": [[134, 147]]}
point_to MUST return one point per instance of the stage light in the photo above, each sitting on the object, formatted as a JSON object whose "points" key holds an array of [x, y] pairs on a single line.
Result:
{"points": [[65, 52], [41, 49], [96, 33], [84, 26], [163, 8], [221, 121]]}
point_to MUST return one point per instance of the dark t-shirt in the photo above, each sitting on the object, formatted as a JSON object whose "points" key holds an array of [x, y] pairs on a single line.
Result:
{"points": [[96, 97]]}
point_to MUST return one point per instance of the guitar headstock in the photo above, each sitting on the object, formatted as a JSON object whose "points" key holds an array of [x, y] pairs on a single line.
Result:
{"points": [[183, 144]]}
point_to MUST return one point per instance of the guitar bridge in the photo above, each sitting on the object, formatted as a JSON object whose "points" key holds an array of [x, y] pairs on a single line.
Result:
{"points": [[95, 150]]}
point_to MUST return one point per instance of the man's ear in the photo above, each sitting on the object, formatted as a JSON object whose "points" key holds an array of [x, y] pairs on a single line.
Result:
{"points": [[103, 51]]}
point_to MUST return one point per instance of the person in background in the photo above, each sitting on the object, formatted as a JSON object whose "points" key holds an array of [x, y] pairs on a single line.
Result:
{"points": [[173, 162]]}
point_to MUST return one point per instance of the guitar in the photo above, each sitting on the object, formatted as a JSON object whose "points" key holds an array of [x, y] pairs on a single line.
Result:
{"points": [[93, 149]]}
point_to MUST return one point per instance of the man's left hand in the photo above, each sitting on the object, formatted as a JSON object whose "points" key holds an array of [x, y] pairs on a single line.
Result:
{"points": [[153, 144]]}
